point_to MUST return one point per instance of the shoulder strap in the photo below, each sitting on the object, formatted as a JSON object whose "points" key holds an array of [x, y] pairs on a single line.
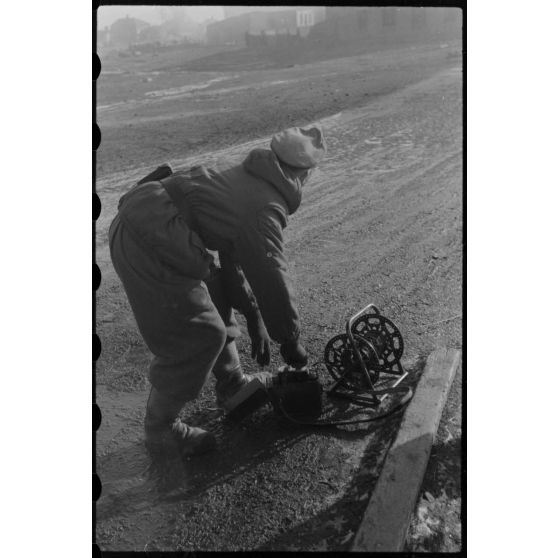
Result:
{"points": [[159, 173]]}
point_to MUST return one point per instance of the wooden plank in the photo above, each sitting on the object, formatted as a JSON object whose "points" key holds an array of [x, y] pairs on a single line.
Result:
{"points": [[387, 517]]}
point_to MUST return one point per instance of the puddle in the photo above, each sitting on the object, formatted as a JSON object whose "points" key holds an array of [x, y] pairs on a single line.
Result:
{"points": [[278, 82], [113, 105], [171, 92]]}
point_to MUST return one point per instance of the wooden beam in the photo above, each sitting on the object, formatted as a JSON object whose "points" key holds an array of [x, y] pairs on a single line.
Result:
{"points": [[387, 517]]}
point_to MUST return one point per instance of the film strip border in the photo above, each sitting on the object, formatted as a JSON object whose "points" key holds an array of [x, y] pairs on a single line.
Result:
{"points": [[96, 278], [96, 275]]}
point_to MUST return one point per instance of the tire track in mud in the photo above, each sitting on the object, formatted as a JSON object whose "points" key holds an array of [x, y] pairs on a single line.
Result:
{"points": [[376, 215], [380, 221]]}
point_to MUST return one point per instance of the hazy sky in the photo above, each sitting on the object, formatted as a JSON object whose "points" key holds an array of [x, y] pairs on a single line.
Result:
{"points": [[106, 15]]}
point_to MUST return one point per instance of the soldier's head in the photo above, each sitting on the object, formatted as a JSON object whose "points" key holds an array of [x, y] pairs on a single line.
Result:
{"points": [[299, 150]]}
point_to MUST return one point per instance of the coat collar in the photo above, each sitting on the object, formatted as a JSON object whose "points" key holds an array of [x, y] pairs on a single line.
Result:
{"points": [[263, 163]]}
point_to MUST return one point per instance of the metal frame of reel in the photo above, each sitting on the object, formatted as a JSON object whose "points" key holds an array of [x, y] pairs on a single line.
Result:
{"points": [[370, 349]]}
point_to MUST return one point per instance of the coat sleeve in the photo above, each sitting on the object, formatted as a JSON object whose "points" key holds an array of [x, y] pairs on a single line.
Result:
{"points": [[237, 288], [259, 250]]}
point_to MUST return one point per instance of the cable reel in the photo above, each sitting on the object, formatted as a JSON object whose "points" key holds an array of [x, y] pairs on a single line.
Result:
{"points": [[384, 336], [343, 364], [360, 359]]}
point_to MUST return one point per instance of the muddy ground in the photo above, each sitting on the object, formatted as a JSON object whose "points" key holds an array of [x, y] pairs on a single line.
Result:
{"points": [[381, 221]]}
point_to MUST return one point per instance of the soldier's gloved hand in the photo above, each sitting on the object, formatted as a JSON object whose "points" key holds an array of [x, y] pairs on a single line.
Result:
{"points": [[294, 354], [260, 339]]}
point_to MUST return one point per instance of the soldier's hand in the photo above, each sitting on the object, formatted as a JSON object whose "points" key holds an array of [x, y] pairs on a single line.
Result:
{"points": [[261, 342], [294, 354]]}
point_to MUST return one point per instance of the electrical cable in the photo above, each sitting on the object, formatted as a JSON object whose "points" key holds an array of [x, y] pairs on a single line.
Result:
{"points": [[404, 401]]}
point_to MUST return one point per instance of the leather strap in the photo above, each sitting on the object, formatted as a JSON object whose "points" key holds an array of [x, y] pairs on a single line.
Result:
{"points": [[159, 173]]}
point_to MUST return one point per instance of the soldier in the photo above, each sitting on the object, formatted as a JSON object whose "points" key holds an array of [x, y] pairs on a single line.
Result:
{"points": [[183, 302]]}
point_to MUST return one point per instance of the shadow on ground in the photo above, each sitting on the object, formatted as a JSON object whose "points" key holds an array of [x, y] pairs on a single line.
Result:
{"points": [[333, 529], [166, 478], [444, 477], [272, 485]]}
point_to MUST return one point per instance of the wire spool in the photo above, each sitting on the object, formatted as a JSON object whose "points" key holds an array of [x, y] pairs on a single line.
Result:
{"points": [[384, 337], [370, 349], [343, 364]]}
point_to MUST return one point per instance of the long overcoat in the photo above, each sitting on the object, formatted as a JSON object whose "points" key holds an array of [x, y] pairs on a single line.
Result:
{"points": [[163, 260]]}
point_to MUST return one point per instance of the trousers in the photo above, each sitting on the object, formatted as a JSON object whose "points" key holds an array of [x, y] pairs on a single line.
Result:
{"points": [[186, 322]]}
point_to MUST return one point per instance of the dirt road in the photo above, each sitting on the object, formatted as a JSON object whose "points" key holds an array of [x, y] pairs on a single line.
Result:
{"points": [[381, 221]]}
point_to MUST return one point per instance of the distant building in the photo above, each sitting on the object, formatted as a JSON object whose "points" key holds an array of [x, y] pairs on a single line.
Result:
{"points": [[389, 24], [124, 32], [151, 34], [129, 31], [107, 15], [307, 17], [178, 29], [238, 29]]}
